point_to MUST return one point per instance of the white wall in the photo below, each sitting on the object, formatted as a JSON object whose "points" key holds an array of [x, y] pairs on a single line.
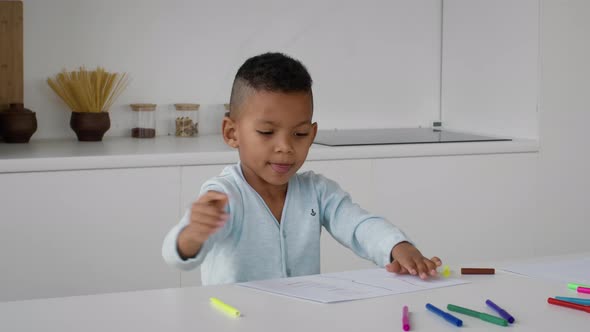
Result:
{"points": [[374, 63], [548, 193], [564, 164], [542, 196], [490, 66]]}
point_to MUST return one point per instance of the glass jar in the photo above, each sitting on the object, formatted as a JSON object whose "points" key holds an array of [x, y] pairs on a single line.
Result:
{"points": [[186, 120], [144, 120]]}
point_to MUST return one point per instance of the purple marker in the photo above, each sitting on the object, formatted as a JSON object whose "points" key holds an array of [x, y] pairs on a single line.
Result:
{"points": [[500, 311]]}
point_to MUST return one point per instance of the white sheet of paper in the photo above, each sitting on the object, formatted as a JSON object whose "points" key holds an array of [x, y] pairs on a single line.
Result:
{"points": [[348, 286], [575, 270]]}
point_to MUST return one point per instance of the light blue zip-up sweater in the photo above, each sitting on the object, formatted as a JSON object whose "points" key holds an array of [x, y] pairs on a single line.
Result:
{"points": [[252, 245]]}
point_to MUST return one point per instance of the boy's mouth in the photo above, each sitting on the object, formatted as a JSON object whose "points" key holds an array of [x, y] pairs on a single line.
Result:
{"points": [[281, 168]]}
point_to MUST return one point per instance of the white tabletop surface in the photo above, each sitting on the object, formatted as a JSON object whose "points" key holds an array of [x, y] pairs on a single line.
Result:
{"points": [[124, 152], [189, 309]]}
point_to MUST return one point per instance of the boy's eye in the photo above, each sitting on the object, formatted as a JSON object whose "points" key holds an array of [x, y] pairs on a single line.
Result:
{"points": [[263, 132], [301, 134]]}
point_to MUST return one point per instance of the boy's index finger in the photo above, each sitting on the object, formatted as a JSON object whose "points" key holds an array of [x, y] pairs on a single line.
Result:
{"points": [[216, 198]]}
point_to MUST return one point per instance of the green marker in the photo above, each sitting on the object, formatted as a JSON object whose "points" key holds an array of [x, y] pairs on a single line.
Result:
{"points": [[477, 314], [575, 286], [228, 309]]}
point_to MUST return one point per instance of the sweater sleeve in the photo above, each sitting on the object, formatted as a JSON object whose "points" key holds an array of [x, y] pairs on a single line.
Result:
{"points": [[369, 236], [170, 245]]}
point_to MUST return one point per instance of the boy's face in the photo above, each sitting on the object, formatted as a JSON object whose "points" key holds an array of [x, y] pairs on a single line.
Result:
{"points": [[273, 133]]}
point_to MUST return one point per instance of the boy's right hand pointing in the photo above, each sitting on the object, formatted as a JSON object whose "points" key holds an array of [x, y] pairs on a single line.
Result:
{"points": [[207, 216]]}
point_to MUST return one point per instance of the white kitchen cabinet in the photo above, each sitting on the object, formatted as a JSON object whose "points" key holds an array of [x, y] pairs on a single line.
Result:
{"points": [[463, 208], [70, 231], [85, 232]]}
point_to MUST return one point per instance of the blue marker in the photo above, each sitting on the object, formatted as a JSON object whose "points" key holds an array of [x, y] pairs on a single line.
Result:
{"points": [[500, 311], [574, 300], [448, 317]]}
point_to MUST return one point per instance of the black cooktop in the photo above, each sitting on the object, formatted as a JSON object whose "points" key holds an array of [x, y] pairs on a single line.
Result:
{"points": [[340, 137]]}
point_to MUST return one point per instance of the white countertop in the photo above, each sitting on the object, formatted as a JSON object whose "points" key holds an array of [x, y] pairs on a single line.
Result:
{"points": [[127, 152]]}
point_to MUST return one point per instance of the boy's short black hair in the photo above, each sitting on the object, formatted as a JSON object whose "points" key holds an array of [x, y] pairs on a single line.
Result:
{"points": [[274, 72]]}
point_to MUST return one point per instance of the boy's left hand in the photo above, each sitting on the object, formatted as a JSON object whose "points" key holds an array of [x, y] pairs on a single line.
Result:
{"points": [[408, 259]]}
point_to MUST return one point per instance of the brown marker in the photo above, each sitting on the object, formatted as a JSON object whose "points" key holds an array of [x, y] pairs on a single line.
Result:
{"points": [[475, 270]]}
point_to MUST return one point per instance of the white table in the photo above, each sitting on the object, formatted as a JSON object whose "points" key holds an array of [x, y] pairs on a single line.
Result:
{"points": [[188, 309]]}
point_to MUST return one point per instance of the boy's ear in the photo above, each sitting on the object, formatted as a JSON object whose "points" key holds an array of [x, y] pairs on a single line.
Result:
{"points": [[314, 131], [228, 130]]}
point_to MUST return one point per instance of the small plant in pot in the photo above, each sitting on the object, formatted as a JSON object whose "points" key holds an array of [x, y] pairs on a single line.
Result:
{"points": [[89, 94]]}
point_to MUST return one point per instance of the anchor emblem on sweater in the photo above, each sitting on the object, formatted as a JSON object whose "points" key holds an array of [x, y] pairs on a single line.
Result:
{"points": [[313, 213]]}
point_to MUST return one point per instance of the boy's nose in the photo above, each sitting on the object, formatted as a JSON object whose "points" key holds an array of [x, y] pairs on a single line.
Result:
{"points": [[284, 145]]}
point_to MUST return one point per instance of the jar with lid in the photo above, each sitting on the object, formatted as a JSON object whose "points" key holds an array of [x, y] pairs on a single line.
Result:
{"points": [[186, 120], [144, 120]]}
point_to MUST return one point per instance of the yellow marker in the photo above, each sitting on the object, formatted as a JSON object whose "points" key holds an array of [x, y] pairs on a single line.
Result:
{"points": [[228, 309], [446, 271]]}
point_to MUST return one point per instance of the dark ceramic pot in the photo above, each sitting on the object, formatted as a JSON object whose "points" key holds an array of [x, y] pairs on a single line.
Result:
{"points": [[90, 127], [17, 124]]}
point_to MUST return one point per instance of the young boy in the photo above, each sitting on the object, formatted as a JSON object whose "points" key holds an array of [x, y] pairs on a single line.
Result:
{"points": [[259, 219]]}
